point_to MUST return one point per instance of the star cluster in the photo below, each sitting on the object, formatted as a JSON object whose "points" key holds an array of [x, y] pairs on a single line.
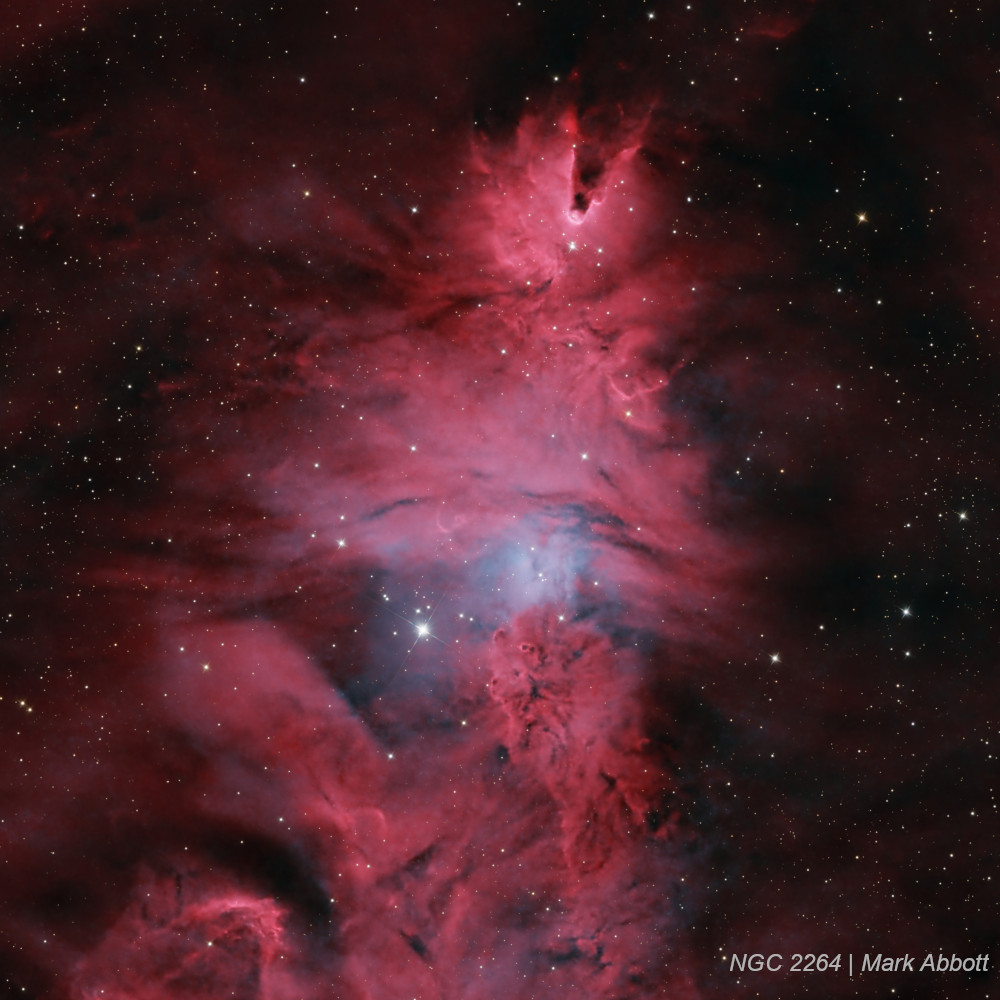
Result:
{"points": [[498, 498]]}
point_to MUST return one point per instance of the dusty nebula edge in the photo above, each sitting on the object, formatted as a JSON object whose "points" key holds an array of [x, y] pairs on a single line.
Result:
{"points": [[498, 498]]}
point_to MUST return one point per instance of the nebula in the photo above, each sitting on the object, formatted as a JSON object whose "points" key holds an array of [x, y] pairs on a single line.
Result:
{"points": [[498, 499]]}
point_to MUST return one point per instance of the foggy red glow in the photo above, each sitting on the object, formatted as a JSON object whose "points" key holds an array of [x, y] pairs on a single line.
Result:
{"points": [[459, 546]]}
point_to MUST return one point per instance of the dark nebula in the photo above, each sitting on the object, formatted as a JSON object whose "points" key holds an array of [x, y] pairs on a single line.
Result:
{"points": [[499, 499]]}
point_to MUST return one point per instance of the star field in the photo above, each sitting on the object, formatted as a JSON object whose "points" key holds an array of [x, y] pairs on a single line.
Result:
{"points": [[498, 499]]}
